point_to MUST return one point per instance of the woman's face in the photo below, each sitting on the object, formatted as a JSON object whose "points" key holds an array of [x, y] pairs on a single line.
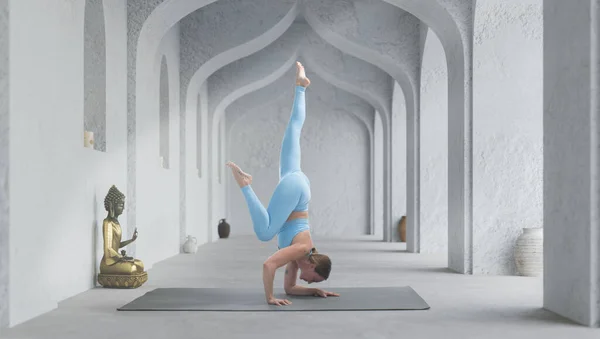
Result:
{"points": [[310, 276]]}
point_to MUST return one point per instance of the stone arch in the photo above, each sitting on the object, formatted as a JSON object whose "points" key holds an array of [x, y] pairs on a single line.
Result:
{"points": [[436, 15], [164, 16], [197, 84], [453, 22], [216, 188], [334, 79], [382, 107], [95, 73], [369, 84], [354, 115], [402, 75], [352, 87]]}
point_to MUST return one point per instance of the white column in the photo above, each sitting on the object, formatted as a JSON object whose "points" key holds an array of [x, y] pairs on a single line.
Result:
{"points": [[4, 142], [571, 160]]}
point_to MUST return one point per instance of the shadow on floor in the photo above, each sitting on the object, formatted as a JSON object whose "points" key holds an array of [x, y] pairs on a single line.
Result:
{"points": [[429, 270], [383, 250], [514, 315]]}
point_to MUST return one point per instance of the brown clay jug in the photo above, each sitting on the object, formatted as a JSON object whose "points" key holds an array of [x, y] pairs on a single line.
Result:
{"points": [[402, 229], [223, 229]]}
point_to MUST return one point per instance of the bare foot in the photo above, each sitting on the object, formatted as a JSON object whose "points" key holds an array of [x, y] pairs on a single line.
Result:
{"points": [[301, 79], [243, 179]]}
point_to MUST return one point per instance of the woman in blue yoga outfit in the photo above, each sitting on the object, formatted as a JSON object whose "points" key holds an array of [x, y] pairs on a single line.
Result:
{"points": [[287, 213]]}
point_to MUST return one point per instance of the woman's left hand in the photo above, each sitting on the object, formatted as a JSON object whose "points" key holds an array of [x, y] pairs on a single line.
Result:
{"points": [[322, 293]]}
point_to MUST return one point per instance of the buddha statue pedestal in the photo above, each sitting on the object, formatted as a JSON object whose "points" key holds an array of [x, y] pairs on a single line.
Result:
{"points": [[118, 270], [132, 273], [122, 280]]}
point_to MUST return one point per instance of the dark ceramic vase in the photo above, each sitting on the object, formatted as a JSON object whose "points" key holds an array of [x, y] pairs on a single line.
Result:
{"points": [[224, 229]]}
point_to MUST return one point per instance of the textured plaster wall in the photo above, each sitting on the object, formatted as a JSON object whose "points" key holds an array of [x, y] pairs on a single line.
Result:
{"points": [[245, 71], [256, 101], [4, 166], [231, 82], [571, 190], [438, 15], [157, 202], [224, 25], [345, 26], [507, 138], [367, 82], [452, 21], [63, 207], [348, 72], [434, 148], [393, 37], [95, 73], [344, 71], [199, 61], [217, 206], [374, 86], [435, 14], [334, 145]]}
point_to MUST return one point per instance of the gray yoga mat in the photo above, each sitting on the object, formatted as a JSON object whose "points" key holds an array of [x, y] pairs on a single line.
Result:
{"points": [[253, 299]]}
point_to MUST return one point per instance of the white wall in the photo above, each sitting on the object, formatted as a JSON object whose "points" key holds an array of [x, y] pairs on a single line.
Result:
{"points": [[157, 210], [398, 159], [378, 176], [335, 154], [507, 118], [58, 185], [4, 145], [434, 147]]}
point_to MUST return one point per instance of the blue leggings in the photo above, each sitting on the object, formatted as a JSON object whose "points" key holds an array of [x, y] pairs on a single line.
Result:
{"points": [[293, 190]]}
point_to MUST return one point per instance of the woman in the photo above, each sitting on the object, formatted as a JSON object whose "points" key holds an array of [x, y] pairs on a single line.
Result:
{"points": [[287, 214]]}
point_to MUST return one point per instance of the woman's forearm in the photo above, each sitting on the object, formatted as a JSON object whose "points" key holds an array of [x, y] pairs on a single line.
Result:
{"points": [[300, 290], [268, 277]]}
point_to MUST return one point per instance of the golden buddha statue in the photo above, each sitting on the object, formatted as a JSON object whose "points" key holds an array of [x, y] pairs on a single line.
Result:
{"points": [[118, 270]]}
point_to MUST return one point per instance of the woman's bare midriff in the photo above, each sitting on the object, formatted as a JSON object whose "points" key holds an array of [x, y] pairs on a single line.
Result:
{"points": [[304, 236], [298, 215]]}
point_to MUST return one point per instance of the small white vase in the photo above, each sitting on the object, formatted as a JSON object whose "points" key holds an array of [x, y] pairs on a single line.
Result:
{"points": [[88, 139], [529, 252], [191, 245]]}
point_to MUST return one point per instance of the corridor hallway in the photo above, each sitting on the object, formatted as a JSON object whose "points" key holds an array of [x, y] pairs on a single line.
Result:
{"points": [[462, 306], [477, 121]]}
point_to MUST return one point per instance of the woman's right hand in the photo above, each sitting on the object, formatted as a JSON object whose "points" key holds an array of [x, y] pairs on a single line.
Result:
{"points": [[278, 302]]}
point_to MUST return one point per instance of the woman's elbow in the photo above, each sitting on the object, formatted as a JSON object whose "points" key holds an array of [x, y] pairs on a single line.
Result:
{"points": [[269, 266]]}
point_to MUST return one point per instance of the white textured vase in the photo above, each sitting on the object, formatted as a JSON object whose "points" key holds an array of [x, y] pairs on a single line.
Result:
{"points": [[88, 139], [529, 252], [191, 245]]}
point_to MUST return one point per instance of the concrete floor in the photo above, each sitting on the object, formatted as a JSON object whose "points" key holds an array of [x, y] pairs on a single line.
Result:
{"points": [[461, 306]]}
